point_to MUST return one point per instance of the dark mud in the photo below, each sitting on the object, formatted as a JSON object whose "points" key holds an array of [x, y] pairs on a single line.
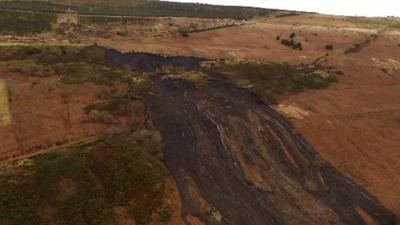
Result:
{"points": [[146, 62], [238, 162]]}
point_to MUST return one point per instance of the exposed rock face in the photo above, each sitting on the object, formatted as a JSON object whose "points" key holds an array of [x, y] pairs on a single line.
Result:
{"points": [[237, 161]]}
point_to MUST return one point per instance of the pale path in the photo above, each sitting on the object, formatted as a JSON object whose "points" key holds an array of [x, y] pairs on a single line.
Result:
{"points": [[5, 117]]}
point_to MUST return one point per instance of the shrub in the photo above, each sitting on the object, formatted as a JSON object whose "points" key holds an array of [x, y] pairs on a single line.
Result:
{"points": [[298, 46], [184, 33], [329, 47], [165, 214], [287, 42]]}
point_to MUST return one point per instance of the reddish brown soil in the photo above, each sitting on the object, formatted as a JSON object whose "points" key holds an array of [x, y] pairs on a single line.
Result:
{"points": [[355, 123], [45, 114]]}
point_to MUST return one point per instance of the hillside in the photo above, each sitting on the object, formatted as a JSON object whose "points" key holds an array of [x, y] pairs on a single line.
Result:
{"points": [[281, 119], [138, 8]]}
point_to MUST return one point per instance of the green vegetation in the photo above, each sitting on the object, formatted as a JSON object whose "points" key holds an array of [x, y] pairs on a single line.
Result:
{"points": [[197, 77], [110, 20], [29, 67], [197, 30], [270, 81], [145, 8], [21, 23], [183, 33], [165, 214], [82, 185], [329, 47], [72, 63], [138, 216]]}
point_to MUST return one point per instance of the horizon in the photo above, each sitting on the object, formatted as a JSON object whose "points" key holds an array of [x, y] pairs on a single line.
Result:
{"points": [[369, 8]]}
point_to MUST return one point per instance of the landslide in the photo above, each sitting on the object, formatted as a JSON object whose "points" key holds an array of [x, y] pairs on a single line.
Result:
{"points": [[237, 161]]}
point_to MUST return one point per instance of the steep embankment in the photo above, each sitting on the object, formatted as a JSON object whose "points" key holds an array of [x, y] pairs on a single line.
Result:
{"points": [[236, 161]]}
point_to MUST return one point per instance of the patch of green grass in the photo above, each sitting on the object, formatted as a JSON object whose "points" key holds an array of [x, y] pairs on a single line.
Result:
{"points": [[21, 201], [197, 77], [30, 68], [73, 63], [102, 174], [138, 216], [134, 163], [146, 8], [52, 54], [21, 23], [269, 81], [80, 72], [165, 214]]}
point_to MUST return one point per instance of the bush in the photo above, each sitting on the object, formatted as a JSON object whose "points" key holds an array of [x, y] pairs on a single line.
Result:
{"points": [[298, 46], [165, 214], [329, 47], [184, 33], [287, 42]]}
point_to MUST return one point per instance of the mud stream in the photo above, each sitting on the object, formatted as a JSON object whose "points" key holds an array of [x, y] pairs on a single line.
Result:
{"points": [[236, 161]]}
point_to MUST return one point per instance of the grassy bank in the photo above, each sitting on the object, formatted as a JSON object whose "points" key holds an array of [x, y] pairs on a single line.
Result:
{"points": [[72, 64], [270, 81]]}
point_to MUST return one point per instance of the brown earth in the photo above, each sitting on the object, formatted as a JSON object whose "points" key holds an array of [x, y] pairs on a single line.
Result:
{"points": [[45, 114]]}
